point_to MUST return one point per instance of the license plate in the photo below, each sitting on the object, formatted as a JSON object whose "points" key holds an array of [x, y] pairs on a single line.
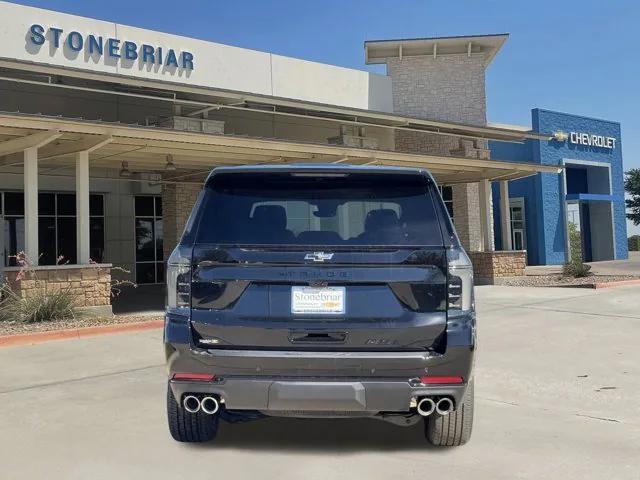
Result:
{"points": [[317, 300]]}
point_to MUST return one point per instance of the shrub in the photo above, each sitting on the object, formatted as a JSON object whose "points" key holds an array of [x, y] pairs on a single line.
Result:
{"points": [[38, 306], [576, 269], [575, 243], [634, 243]]}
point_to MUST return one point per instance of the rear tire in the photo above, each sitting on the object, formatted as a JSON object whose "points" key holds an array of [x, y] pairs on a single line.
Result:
{"points": [[190, 427], [454, 429]]}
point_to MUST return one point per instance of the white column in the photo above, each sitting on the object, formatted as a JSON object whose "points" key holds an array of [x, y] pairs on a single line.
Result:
{"points": [[485, 216], [31, 248], [82, 207], [505, 215]]}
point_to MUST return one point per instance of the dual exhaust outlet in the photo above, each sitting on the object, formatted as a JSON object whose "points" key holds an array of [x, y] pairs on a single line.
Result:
{"points": [[193, 404], [426, 406]]}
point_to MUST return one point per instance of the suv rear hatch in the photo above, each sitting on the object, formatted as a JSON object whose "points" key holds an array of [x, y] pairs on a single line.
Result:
{"points": [[319, 261]]}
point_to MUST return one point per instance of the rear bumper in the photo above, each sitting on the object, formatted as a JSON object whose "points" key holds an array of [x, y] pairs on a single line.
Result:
{"points": [[323, 381], [313, 395]]}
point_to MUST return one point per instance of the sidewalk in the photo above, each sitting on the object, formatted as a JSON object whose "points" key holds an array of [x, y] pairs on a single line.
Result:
{"points": [[631, 266]]}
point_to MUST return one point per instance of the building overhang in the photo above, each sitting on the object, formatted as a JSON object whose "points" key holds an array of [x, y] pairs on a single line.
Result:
{"points": [[195, 100], [378, 51], [147, 149]]}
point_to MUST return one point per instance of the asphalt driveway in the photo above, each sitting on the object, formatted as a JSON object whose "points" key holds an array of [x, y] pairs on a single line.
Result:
{"points": [[557, 390]]}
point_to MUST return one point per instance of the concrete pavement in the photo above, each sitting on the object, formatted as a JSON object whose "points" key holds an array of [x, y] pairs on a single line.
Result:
{"points": [[556, 393]]}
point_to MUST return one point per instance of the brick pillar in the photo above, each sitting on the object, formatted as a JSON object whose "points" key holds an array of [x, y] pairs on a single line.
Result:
{"points": [[177, 202], [450, 88]]}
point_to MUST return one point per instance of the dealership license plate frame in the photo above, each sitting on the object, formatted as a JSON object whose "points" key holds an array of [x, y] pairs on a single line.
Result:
{"points": [[314, 307]]}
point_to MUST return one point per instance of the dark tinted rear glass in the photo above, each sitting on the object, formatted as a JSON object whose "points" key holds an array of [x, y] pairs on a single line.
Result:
{"points": [[285, 209]]}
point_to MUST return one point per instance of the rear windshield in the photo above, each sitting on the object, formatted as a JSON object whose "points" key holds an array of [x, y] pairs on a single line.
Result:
{"points": [[342, 210]]}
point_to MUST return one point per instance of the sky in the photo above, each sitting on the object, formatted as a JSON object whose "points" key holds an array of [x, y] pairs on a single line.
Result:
{"points": [[577, 56]]}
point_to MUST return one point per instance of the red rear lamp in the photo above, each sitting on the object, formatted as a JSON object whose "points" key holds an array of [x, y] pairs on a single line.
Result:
{"points": [[440, 380], [196, 377]]}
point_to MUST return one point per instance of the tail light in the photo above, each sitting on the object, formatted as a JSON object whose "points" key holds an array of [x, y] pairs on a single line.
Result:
{"points": [[460, 281], [179, 279]]}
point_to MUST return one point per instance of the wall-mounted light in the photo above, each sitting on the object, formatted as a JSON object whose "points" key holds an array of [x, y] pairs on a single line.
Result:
{"points": [[124, 171], [170, 166]]}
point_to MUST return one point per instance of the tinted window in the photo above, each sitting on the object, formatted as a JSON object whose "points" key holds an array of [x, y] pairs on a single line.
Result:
{"points": [[283, 209]]}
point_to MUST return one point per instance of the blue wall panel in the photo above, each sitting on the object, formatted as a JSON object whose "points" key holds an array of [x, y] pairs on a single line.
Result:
{"points": [[544, 205]]}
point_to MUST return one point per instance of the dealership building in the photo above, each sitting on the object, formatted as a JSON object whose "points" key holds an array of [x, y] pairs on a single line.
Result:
{"points": [[107, 132]]}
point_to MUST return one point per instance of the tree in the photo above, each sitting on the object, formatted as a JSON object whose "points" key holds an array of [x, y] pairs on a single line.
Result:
{"points": [[632, 187]]}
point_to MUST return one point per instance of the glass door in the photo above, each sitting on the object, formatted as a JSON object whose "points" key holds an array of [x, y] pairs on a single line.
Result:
{"points": [[148, 225], [518, 226]]}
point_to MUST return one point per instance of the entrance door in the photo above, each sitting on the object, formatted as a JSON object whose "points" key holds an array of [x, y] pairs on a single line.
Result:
{"points": [[518, 225], [149, 257]]}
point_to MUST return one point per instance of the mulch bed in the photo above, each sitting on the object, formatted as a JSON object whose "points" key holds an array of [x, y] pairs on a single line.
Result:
{"points": [[20, 328], [560, 281]]}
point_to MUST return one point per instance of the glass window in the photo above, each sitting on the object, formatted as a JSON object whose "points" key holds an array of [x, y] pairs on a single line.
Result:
{"points": [[149, 235], [145, 273], [47, 240], [158, 204], [13, 203], [47, 204], [144, 240], [96, 239], [66, 203], [66, 240], [144, 206], [56, 227], [13, 238], [96, 205], [358, 209]]}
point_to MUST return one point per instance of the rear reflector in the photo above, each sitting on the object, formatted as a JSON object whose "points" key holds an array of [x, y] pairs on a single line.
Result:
{"points": [[198, 377], [440, 380]]}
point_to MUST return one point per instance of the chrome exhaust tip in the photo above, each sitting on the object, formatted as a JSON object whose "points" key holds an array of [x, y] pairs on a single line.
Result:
{"points": [[209, 405], [426, 407], [444, 406], [191, 404]]}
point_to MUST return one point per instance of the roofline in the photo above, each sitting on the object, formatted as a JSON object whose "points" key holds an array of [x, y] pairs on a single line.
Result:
{"points": [[392, 120], [451, 37], [491, 42]]}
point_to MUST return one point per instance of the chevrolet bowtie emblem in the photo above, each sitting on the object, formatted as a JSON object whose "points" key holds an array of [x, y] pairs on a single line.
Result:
{"points": [[318, 256]]}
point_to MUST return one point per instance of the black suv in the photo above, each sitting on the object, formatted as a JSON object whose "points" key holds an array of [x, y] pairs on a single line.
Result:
{"points": [[320, 291]]}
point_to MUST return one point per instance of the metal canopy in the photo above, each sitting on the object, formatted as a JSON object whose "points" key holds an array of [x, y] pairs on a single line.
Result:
{"points": [[196, 100], [146, 149]]}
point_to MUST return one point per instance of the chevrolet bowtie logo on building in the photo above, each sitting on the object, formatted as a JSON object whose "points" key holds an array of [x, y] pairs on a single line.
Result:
{"points": [[560, 136], [318, 256]]}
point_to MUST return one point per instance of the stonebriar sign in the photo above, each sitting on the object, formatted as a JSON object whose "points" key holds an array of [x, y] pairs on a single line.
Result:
{"points": [[113, 48]]}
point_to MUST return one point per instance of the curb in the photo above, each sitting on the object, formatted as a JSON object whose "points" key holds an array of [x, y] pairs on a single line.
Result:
{"points": [[77, 333], [620, 283]]}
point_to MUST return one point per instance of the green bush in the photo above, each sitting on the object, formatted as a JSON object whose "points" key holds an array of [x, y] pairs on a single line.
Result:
{"points": [[39, 306], [634, 243], [575, 243], [576, 269]]}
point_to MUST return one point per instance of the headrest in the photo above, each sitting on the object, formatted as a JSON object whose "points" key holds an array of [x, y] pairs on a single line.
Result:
{"points": [[273, 216], [382, 218]]}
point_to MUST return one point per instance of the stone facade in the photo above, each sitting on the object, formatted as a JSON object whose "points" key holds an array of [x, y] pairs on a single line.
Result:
{"points": [[177, 202], [489, 267], [448, 88], [89, 284]]}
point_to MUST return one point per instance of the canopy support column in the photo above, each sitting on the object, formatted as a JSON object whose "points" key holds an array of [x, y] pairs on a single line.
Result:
{"points": [[486, 226], [505, 215], [82, 208]]}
